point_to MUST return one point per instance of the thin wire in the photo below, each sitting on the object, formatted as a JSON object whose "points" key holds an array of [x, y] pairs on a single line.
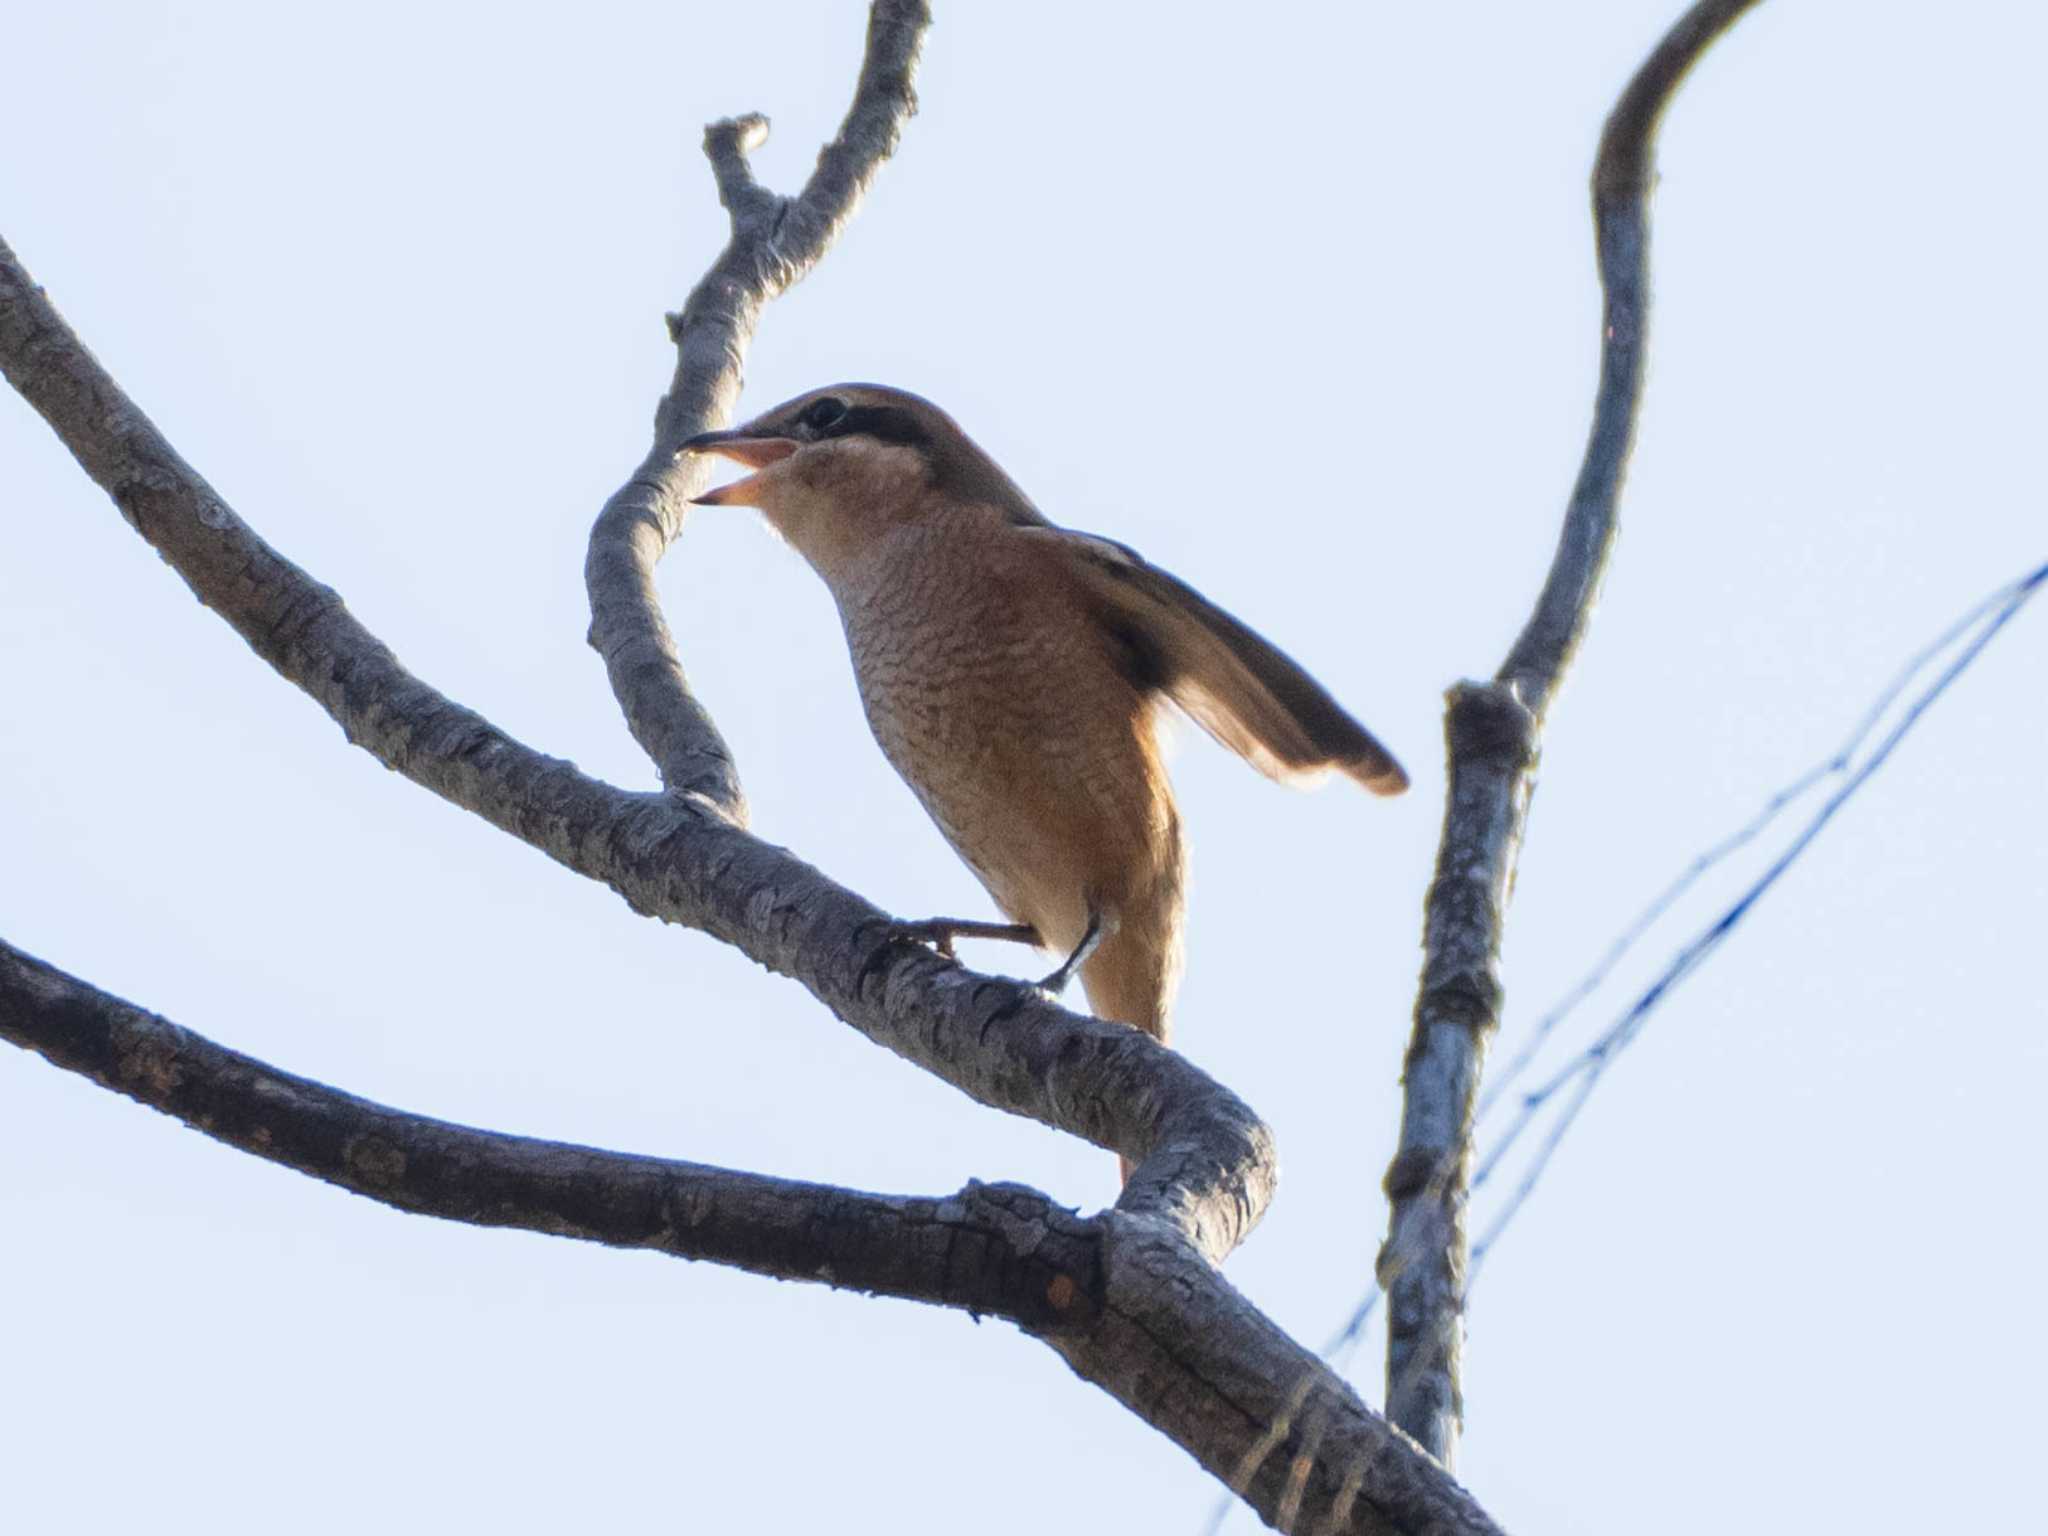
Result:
{"points": [[2012, 595], [1354, 1326], [1836, 763], [1593, 1062]]}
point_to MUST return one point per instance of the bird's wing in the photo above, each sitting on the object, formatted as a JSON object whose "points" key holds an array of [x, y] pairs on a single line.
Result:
{"points": [[1238, 686]]}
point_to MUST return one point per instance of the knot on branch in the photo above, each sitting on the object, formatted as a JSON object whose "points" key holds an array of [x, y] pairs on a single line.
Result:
{"points": [[1408, 1174], [1461, 988], [1013, 1250], [1487, 723]]}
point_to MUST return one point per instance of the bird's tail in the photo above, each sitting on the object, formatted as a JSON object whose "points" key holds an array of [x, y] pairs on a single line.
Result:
{"points": [[1131, 979]]}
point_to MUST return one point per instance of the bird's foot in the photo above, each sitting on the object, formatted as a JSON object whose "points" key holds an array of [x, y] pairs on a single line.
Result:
{"points": [[940, 932], [1056, 983]]}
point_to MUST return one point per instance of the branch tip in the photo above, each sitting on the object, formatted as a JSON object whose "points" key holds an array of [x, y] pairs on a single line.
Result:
{"points": [[740, 135], [1494, 733], [773, 242], [727, 143]]}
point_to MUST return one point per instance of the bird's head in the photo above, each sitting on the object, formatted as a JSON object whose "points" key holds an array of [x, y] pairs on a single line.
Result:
{"points": [[835, 469]]}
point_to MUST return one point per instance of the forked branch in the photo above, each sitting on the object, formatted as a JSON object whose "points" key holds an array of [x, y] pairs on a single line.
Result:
{"points": [[1124, 1299], [1130, 1298], [775, 241]]}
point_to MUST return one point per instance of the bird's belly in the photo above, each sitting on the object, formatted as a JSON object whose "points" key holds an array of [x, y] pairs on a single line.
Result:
{"points": [[1034, 756]]}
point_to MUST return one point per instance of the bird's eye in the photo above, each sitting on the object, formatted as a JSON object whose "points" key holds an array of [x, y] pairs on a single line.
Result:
{"points": [[822, 414]]}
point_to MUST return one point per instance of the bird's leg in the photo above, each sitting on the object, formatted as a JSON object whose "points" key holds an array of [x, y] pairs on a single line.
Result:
{"points": [[940, 932], [1056, 983]]}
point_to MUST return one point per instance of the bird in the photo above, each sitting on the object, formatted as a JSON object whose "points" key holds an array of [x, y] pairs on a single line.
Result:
{"points": [[1015, 673]]}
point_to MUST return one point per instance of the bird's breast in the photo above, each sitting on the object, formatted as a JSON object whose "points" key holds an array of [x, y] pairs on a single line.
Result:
{"points": [[1003, 704]]}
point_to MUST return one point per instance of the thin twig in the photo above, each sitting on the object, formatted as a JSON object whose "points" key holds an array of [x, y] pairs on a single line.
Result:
{"points": [[1493, 731], [774, 242]]}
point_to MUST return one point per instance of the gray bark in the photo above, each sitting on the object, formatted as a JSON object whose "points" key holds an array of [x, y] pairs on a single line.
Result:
{"points": [[1493, 732], [1131, 1298], [775, 241], [1125, 1299], [1208, 1159]]}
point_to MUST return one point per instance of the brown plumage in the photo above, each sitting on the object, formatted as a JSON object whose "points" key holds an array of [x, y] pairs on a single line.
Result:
{"points": [[1013, 672]]}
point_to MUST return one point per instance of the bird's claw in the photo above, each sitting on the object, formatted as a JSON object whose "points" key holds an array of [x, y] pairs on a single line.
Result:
{"points": [[1056, 983], [940, 932]]}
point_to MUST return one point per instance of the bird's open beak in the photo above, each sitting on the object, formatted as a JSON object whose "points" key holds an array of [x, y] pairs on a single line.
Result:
{"points": [[757, 453]]}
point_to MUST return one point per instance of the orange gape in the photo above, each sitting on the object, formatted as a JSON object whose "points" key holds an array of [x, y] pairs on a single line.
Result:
{"points": [[1014, 672]]}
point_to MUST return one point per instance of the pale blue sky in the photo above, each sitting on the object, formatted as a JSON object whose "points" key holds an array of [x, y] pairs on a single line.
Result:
{"points": [[1305, 313]]}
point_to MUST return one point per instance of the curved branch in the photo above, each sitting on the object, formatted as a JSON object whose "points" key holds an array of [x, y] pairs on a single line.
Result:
{"points": [[1123, 1300], [886, 1245], [1173, 1340], [775, 241], [1624, 172], [1493, 731], [1207, 1163]]}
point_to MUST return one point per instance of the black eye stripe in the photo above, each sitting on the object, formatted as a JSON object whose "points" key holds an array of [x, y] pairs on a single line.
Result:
{"points": [[884, 423]]}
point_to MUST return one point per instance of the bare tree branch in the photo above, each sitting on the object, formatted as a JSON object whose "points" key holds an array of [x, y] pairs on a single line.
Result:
{"points": [[1493, 731], [1149, 1318], [956, 1253], [1127, 1303], [775, 241], [1847, 765], [1208, 1161]]}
